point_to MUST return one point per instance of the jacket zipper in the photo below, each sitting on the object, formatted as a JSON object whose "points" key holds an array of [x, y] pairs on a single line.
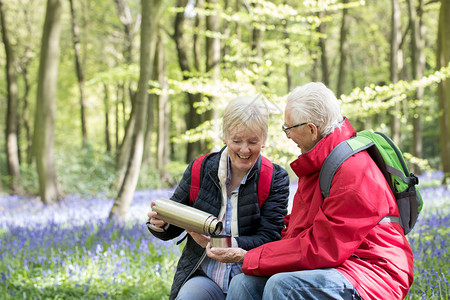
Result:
{"points": [[195, 267]]}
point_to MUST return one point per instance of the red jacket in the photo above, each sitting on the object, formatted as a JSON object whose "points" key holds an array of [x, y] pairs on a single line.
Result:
{"points": [[341, 231]]}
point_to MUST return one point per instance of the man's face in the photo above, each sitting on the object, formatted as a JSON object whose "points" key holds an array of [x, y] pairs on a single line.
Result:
{"points": [[305, 136]]}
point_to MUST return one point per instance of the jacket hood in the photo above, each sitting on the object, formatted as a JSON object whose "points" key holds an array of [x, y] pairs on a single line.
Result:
{"points": [[311, 161]]}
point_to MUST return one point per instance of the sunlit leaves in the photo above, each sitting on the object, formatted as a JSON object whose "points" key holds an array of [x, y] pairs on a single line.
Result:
{"points": [[422, 164], [121, 73], [373, 99]]}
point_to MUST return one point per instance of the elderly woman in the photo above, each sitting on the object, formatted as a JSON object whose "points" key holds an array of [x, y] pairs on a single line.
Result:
{"points": [[228, 190]]}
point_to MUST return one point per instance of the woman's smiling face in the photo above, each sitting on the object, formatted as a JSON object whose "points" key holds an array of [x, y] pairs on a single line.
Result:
{"points": [[244, 146]]}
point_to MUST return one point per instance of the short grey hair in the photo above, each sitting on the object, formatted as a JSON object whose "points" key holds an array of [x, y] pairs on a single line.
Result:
{"points": [[250, 111], [315, 103]]}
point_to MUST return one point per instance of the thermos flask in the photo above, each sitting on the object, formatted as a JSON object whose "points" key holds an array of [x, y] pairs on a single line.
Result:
{"points": [[186, 217]]}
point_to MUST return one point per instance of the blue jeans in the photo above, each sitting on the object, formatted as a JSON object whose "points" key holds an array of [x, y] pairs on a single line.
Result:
{"points": [[308, 284], [200, 288]]}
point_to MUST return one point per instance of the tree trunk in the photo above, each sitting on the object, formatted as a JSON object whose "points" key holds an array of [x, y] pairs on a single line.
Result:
{"points": [[163, 152], [212, 62], [80, 73], [150, 13], [107, 130], [26, 112], [192, 118], [257, 36], [24, 66], [152, 99], [238, 29], [196, 38], [287, 67], [12, 146], [130, 31], [323, 49], [343, 51], [116, 118], [1, 183], [443, 59], [148, 155], [43, 143], [125, 148], [418, 66], [396, 65], [226, 28]]}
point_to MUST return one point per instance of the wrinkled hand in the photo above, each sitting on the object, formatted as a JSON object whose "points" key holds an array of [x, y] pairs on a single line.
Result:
{"points": [[200, 239], [226, 255]]}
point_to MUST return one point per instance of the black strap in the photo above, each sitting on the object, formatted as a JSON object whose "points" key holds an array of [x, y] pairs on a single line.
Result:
{"points": [[336, 157]]}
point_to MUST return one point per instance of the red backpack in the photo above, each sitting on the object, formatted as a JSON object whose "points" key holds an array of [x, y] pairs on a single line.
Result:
{"points": [[265, 179]]}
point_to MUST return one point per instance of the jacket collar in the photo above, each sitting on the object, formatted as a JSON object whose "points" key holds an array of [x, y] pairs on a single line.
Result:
{"points": [[311, 161]]}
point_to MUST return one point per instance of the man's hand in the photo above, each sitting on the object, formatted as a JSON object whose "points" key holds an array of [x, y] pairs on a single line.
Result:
{"points": [[226, 255]]}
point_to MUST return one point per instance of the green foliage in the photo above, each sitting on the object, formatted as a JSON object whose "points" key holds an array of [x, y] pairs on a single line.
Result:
{"points": [[29, 179], [289, 36], [118, 74], [150, 177], [375, 98], [90, 172], [3, 178], [177, 170], [85, 171]]}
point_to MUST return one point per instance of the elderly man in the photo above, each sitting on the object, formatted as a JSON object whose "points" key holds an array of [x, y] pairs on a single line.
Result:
{"points": [[332, 248]]}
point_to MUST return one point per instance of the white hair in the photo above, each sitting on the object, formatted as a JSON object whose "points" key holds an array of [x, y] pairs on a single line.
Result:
{"points": [[250, 111], [315, 103]]}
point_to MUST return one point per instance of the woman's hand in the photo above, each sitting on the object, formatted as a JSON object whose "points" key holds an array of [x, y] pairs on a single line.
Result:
{"points": [[153, 220], [226, 255], [201, 239]]}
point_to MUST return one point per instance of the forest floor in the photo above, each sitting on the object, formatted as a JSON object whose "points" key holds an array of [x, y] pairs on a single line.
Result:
{"points": [[72, 251]]}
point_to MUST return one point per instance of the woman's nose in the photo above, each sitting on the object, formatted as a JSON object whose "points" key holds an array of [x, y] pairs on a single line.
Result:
{"points": [[245, 148]]}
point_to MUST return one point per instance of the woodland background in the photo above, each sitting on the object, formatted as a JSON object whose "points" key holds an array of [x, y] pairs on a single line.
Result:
{"points": [[103, 103], [104, 97]]}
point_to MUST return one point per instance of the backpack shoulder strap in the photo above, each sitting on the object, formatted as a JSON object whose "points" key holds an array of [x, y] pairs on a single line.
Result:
{"points": [[196, 177], [337, 156], [366, 140], [264, 182], [265, 179]]}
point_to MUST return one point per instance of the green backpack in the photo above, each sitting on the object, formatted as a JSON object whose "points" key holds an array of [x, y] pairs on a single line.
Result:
{"points": [[392, 164]]}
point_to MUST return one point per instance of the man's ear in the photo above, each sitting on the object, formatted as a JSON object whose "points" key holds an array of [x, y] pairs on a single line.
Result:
{"points": [[314, 131]]}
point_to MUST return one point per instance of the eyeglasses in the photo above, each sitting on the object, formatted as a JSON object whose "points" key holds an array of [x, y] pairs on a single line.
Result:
{"points": [[286, 129]]}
